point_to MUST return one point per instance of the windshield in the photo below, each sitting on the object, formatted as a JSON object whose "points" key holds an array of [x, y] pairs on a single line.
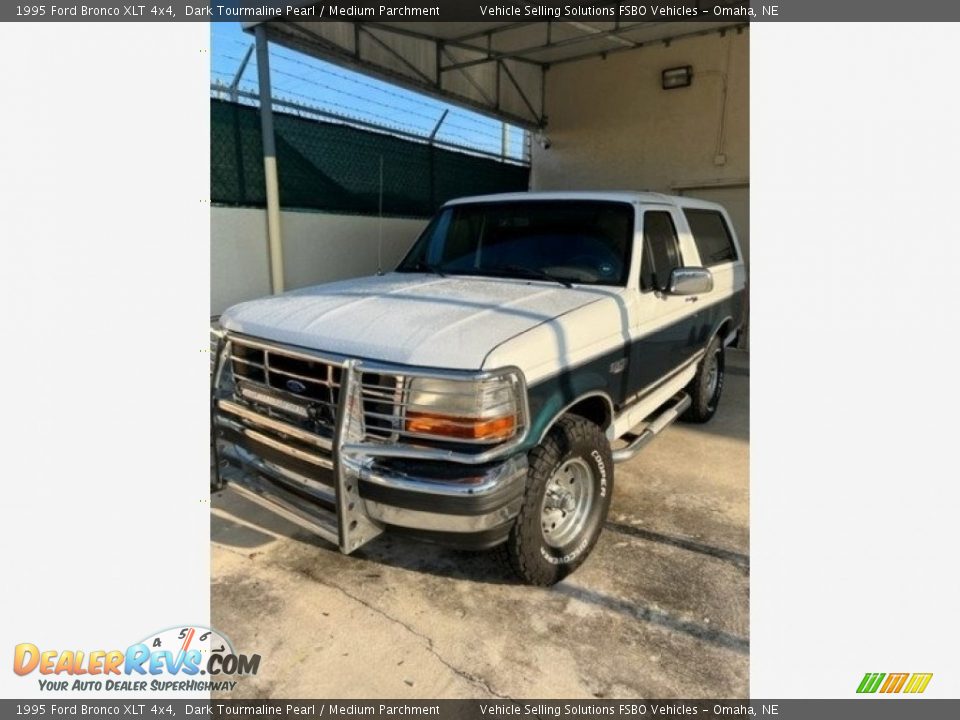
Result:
{"points": [[582, 241]]}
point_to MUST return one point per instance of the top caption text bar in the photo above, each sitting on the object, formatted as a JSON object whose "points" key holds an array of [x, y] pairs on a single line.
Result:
{"points": [[248, 11]]}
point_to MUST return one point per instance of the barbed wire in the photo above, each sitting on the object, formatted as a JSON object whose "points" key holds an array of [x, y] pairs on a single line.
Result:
{"points": [[455, 142], [346, 113], [384, 89], [387, 106], [380, 87], [436, 106], [484, 134]]}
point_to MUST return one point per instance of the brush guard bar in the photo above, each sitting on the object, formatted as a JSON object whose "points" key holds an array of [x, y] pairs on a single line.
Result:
{"points": [[318, 482]]}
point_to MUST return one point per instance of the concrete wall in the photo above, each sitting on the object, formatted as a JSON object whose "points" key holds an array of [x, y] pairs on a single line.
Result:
{"points": [[318, 247], [611, 126]]}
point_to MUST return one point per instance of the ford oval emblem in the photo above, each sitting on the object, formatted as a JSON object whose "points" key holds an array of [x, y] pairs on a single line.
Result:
{"points": [[295, 386]]}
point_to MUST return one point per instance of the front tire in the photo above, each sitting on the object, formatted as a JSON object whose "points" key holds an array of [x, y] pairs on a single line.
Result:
{"points": [[707, 385], [569, 487]]}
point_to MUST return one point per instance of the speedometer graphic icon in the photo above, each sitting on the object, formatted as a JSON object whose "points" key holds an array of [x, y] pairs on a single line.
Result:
{"points": [[181, 640]]}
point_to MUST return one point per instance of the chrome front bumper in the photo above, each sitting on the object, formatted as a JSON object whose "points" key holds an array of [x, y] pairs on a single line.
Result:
{"points": [[343, 490]]}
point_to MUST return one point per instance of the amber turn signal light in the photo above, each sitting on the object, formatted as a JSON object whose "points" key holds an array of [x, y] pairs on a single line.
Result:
{"points": [[461, 428]]}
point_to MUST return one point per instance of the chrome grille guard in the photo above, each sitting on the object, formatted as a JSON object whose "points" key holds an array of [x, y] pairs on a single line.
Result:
{"points": [[309, 473]]}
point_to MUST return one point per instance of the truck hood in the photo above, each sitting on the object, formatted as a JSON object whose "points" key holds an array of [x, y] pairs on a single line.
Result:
{"points": [[409, 318]]}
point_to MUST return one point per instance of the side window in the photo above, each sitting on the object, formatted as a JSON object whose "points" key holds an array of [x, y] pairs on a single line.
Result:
{"points": [[661, 250], [712, 236]]}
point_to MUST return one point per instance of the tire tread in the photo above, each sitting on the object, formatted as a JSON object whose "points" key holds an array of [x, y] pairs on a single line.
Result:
{"points": [[518, 553]]}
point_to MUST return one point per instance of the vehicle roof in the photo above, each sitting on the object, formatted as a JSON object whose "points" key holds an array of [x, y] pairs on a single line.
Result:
{"points": [[628, 196]]}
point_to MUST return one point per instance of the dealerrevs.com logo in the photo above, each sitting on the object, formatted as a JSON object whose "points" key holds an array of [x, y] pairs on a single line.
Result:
{"points": [[185, 658]]}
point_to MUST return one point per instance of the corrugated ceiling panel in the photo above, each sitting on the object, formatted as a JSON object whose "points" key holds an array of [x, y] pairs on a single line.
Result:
{"points": [[528, 78], [401, 54], [478, 82]]}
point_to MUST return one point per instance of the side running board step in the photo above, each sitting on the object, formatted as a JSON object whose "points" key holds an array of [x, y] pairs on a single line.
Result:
{"points": [[672, 410]]}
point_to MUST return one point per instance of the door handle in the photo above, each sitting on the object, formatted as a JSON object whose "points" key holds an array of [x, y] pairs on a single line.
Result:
{"points": [[692, 298]]}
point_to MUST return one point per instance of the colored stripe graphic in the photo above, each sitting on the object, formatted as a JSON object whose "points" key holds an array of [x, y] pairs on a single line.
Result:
{"points": [[918, 682], [870, 682], [894, 682]]}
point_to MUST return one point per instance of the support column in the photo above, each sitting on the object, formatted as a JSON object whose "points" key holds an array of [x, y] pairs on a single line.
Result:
{"points": [[274, 236]]}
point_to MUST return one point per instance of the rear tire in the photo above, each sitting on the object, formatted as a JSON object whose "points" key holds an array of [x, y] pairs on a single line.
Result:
{"points": [[707, 385], [569, 487]]}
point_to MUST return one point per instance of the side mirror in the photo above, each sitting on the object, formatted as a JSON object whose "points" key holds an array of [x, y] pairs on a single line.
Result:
{"points": [[690, 281]]}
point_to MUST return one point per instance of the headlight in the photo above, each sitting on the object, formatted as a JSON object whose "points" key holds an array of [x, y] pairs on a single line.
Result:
{"points": [[486, 410]]}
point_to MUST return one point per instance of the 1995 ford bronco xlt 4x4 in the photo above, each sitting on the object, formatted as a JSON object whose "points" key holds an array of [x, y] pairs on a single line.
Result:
{"points": [[473, 395]]}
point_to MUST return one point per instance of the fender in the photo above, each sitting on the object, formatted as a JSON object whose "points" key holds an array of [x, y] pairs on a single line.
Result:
{"points": [[716, 329], [551, 398], [729, 310]]}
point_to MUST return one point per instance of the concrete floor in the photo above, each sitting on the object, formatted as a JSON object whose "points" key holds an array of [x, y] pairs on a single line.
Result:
{"points": [[659, 610]]}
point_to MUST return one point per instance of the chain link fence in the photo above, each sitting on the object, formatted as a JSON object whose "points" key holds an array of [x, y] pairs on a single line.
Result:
{"points": [[337, 168]]}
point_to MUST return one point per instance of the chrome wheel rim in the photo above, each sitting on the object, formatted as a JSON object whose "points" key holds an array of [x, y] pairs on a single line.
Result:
{"points": [[713, 375], [566, 503]]}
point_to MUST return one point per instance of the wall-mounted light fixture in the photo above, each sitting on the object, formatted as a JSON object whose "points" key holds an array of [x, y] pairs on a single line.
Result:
{"points": [[541, 137], [677, 77]]}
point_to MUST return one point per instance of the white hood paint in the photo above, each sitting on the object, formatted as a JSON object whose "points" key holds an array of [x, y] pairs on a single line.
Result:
{"points": [[422, 320]]}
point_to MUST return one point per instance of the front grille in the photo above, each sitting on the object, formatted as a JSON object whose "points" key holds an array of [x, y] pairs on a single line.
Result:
{"points": [[303, 390], [383, 396], [307, 389]]}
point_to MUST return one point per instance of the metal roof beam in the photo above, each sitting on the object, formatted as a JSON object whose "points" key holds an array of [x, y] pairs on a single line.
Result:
{"points": [[611, 34], [470, 79], [393, 53], [450, 43], [493, 31], [738, 27], [304, 39], [519, 53], [523, 96]]}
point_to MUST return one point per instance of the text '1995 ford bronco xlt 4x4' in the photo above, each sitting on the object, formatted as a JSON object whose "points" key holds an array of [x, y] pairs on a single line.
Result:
{"points": [[473, 395]]}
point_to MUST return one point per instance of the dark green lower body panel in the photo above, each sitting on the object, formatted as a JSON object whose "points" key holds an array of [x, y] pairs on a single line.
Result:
{"points": [[649, 359]]}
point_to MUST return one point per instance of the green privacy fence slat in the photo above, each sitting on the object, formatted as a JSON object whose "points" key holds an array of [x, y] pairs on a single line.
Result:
{"points": [[336, 168]]}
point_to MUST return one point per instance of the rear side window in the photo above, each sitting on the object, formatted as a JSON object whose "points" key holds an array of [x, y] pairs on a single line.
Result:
{"points": [[661, 251], [712, 236]]}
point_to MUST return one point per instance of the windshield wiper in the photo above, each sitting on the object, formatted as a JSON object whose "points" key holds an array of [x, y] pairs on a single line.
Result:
{"points": [[532, 273], [429, 267]]}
